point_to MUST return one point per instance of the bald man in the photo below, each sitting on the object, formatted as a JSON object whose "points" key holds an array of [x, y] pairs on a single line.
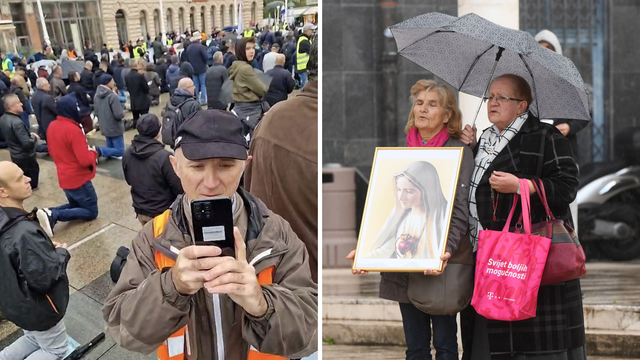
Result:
{"points": [[34, 282], [282, 83], [86, 78], [183, 102], [21, 142]]}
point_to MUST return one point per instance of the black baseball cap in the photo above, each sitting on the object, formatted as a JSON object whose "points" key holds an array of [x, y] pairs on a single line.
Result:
{"points": [[209, 134]]}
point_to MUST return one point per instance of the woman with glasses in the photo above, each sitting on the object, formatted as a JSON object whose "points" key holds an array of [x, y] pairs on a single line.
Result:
{"points": [[519, 146]]}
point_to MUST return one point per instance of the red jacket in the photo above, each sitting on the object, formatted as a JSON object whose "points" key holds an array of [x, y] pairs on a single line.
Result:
{"points": [[68, 147]]}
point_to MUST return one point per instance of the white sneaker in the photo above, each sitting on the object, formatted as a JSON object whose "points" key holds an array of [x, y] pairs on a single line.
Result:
{"points": [[44, 218]]}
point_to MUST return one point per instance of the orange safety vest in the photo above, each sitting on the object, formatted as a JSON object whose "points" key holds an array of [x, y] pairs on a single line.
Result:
{"points": [[173, 348]]}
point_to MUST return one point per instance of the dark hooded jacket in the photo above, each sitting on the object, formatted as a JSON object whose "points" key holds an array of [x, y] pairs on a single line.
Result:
{"points": [[84, 101], [138, 90], [96, 78], [190, 105], [186, 71], [34, 284], [86, 79], [44, 106], [154, 184], [172, 77], [117, 76]]}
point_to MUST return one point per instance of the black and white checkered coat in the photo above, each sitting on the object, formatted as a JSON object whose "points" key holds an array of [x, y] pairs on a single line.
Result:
{"points": [[538, 151]]}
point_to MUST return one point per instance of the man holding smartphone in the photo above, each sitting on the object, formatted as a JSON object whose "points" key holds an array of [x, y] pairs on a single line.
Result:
{"points": [[192, 302]]}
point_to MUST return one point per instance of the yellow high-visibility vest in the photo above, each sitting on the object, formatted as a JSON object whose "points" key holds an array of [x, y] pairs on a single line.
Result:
{"points": [[302, 59], [136, 54], [249, 33]]}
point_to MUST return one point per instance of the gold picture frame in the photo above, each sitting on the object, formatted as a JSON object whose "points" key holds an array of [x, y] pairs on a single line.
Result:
{"points": [[402, 229]]}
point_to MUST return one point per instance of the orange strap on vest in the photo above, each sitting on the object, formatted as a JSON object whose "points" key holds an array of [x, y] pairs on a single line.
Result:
{"points": [[173, 348]]}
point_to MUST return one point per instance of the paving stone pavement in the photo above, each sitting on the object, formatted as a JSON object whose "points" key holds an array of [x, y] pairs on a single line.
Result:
{"points": [[352, 352]]}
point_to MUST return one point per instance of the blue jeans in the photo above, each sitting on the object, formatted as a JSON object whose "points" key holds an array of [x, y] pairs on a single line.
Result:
{"points": [[198, 81], [417, 333], [122, 97], [114, 148], [83, 205], [304, 77]]}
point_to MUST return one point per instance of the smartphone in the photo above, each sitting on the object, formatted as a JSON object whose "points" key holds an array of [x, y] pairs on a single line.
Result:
{"points": [[213, 223]]}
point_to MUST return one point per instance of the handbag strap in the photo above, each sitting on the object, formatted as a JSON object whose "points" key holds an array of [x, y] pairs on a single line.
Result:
{"points": [[526, 205], [543, 197], [513, 210]]}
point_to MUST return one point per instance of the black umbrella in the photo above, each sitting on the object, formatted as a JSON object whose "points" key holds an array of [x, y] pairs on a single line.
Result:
{"points": [[468, 52]]}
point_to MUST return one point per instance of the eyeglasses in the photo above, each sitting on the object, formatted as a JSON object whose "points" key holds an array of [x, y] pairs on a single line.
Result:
{"points": [[499, 99]]}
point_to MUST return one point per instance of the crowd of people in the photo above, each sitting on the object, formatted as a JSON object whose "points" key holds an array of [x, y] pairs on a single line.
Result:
{"points": [[271, 283]]}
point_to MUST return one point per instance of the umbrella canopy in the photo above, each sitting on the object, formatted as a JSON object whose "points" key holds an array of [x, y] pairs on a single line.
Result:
{"points": [[227, 86], [463, 52]]}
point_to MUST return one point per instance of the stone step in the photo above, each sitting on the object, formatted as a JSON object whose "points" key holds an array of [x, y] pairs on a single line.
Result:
{"points": [[611, 330]]}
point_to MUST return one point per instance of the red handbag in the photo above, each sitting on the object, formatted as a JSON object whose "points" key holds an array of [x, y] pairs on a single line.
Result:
{"points": [[566, 260]]}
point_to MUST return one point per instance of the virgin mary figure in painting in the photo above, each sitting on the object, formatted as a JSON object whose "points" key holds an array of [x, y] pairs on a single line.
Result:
{"points": [[416, 226]]}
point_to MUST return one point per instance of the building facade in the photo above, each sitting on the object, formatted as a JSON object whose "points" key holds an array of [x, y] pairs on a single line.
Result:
{"points": [[111, 21]]}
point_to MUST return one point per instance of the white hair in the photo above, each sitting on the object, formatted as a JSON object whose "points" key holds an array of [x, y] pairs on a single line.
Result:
{"points": [[41, 82]]}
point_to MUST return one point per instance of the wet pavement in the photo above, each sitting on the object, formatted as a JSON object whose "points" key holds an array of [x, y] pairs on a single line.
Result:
{"points": [[353, 352]]}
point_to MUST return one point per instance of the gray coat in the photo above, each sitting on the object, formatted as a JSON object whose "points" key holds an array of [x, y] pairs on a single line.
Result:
{"points": [[109, 111], [19, 141], [216, 75]]}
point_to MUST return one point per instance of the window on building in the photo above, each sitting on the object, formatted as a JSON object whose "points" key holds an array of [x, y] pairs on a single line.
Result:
{"points": [[72, 24], [22, 34]]}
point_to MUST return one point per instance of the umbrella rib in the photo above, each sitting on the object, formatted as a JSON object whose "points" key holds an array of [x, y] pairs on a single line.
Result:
{"points": [[533, 80], [473, 66]]}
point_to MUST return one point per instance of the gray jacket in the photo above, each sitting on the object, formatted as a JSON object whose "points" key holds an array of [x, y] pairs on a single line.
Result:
{"points": [[109, 111], [19, 141]]}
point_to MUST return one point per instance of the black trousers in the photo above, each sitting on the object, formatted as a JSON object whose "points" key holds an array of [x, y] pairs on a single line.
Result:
{"points": [[30, 168], [136, 115]]}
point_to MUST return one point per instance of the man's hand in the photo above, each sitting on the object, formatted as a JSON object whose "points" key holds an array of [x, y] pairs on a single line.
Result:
{"points": [[35, 136], [236, 278], [59, 245], [469, 136], [564, 129], [352, 256], [192, 265], [445, 259]]}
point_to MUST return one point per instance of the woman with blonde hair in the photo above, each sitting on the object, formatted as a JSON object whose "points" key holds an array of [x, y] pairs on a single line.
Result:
{"points": [[434, 121]]}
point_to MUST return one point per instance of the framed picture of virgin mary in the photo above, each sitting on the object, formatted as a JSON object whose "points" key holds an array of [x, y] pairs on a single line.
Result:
{"points": [[408, 209]]}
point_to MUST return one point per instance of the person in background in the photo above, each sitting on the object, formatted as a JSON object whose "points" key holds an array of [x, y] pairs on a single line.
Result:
{"points": [[282, 84], [147, 169], [34, 274], [285, 156], [83, 100], [17, 83], [435, 120], [216, 76], [76, 164], [118, 66], [20, 141], [161, 69], [111, 117], [303, 49], [44, 107], [197, 55], [138, 90], [173, 74], [247, 89], [153, 81], [519, 146], [58, 87], [269, 59], [230, 55]]}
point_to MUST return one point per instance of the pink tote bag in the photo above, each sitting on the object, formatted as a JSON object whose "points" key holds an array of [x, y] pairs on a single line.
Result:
{"points": [[509, 268]]}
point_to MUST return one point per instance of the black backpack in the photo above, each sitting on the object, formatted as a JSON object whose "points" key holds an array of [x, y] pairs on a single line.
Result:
{"points": [[118, 263], [171, 120]]}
